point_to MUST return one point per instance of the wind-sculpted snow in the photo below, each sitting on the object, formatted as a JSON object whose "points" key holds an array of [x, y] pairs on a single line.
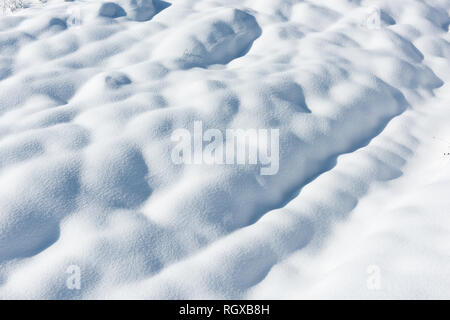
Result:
{"points": [[91, 92], [217, 39]]}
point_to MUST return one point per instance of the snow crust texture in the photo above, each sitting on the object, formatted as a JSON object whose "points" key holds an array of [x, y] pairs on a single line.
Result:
{"points": [[91, 91]]}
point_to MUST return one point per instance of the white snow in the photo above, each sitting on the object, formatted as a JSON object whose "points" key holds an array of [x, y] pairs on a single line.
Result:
{"points": [[90, 92]]}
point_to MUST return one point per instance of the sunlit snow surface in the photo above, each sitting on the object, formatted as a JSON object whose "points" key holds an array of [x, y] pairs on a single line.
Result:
{"points": [[91, 91]]}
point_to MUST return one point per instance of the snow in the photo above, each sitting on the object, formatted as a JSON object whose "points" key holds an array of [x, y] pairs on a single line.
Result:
{"points": [[91, 91]]}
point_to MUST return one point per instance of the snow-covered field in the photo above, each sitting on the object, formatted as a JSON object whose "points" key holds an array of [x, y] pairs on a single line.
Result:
{"points": [[93, 205]]}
